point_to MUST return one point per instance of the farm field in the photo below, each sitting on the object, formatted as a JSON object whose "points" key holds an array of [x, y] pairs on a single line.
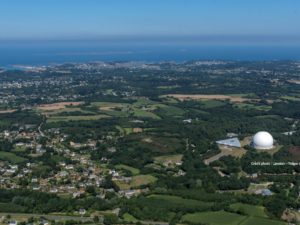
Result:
{"points": [[136, 182], [11, 157], [75, 118], [247, 106], [176, 202], [234, 98], [133, 170], [129, 218], [261, 221], [209, 104], [168, 159], [226, 218], [57, 105], [7, 111], [251, 210], [141, 109], [214, 218]]}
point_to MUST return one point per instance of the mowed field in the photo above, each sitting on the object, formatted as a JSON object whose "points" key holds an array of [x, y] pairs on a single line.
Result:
{"points": [[168, 159], [11, 157], [214, 218], [7, 111], [57, 105], [251, 210], [232, 98], [136, 182], [227, 218], [176, 200], [133, 170], [76, 118], [225, 151]]}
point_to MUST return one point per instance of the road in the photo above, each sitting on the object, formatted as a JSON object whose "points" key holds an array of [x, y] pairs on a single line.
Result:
{"points": [[19, 216], [48, 217]]}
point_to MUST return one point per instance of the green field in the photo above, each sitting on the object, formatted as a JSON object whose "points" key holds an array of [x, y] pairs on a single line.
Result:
{"points": [[75, 118], [136, 182], [109, 104], [168, 158], [11, 157], [261, 221], [168, 87], [142, 180], [9, 207], [208, 104], [170, 110], [290, 98], [129, 218], [251, 210], [226, 218], [144, 114], [214, 218], [133, 170], [126, 110], [64, 110], [246, 106], [177, 200]]}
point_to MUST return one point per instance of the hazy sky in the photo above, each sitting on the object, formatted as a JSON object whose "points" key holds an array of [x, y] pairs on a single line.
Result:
{"points": [[227, 20]]}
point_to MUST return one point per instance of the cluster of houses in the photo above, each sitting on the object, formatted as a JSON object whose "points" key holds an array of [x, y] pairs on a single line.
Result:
{"points": [[72, 175]]}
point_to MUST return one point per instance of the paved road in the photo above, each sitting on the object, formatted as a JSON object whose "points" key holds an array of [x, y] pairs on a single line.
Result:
{"points": [[64, 218], [49, 217]]}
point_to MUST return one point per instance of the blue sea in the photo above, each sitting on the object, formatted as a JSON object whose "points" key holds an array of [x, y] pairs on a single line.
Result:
{"points": [[56, 52]]}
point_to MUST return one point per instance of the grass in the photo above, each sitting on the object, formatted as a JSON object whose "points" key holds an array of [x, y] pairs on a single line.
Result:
{"points": [[140, 180], [19, 149], [208, 104], [169, 100], [133, 170], [226, 218], [125, 130], [247, 106], [75, 118], [136, 182], [9, 207], [117, 113], [63, 110], [129, 218], [170, 110], [127, 110], [109, 104], [290, 98], [214, 218], [254, 187], [268, 117], [144, 114], [177, 200], [174, 203], [261, 221], [168, 158], [11, 157], [251, 210], [168, 87]]}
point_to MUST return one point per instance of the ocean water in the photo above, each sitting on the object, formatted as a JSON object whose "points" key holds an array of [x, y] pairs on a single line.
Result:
{"points": [[53, 52]]}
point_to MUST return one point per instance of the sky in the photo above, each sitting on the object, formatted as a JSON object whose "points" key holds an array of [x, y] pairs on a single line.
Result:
{"points": [[228, 21]]}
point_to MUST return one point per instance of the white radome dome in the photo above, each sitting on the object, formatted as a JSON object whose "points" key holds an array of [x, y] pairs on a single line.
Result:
{"points": [[263, 140]]}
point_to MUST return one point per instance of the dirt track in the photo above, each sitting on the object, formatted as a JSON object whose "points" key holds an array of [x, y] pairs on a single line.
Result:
{"points": [[209, 97]]}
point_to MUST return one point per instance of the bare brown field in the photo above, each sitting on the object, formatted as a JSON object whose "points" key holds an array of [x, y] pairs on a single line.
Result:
{"points": [[57, 105], [7, 111], [210, 97], [294, 81], [295, 152], [137, 130]]}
